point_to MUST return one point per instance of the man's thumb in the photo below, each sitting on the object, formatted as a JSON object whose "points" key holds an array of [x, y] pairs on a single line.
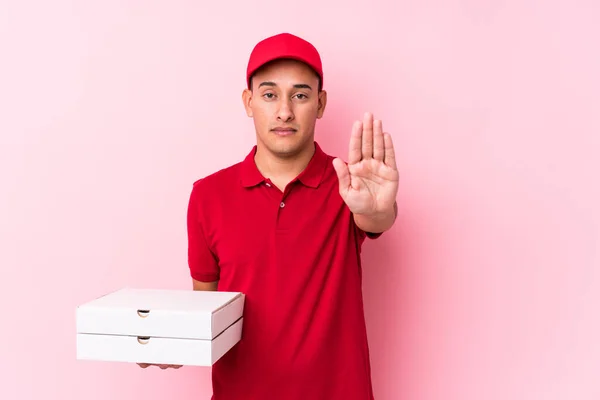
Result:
{"points": [[343, 174]]}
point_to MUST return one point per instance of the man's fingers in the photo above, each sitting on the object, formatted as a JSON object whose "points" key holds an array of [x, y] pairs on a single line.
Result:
{"points": [[355, 147], [367, 136], [378, 141], [390, 154], [161, 366]]}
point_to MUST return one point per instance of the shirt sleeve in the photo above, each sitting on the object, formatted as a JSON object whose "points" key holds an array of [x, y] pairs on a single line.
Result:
{"points": [[202, 262]]}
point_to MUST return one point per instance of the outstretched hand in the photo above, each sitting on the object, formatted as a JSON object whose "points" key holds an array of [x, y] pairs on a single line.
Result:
{"points": [[369, 181]]}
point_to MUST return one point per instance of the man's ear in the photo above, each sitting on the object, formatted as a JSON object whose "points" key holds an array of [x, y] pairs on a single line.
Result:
{"points": [[247, 99], [322, 103]]}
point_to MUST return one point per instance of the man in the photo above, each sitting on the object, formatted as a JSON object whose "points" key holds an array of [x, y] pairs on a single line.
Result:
{"points": [[285, 226]]}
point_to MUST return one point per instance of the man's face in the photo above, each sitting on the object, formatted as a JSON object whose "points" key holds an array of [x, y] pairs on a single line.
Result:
{"points": [[285, 103]]}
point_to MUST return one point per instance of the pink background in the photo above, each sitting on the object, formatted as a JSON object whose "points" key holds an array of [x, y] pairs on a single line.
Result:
{"points": [[487, 288]]}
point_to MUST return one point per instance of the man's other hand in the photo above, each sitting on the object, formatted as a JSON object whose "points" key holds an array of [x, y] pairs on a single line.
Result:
{"points": [[161, 366]]}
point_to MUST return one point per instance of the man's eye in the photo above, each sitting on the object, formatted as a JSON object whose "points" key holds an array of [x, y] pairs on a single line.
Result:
{"points": [[268, 95], [301, 96]]}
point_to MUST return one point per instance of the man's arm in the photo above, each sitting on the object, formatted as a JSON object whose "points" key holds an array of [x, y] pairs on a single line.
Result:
{"points": [[208, 286]]}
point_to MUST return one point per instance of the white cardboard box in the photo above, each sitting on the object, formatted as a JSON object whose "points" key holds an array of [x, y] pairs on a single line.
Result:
{"points": [[182, 327]]}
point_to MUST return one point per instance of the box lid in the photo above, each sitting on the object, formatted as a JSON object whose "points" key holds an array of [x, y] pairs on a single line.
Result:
{"points": [[161, 313]]}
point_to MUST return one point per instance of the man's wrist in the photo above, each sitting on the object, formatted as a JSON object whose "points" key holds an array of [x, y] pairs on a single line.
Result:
{"points": [[377, 222]]}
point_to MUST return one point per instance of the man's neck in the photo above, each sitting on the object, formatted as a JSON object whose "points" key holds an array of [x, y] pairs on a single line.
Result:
{"points": [[282, 170]]}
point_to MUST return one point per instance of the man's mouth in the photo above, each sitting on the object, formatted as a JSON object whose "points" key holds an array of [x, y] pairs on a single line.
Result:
{"points": [[284, 131]]}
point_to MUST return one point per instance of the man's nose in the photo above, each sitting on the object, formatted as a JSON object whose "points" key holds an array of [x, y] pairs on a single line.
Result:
{"points": [[285, 111]]}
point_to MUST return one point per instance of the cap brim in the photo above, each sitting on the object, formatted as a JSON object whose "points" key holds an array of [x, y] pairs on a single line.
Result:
{"points": [[295, 57]]}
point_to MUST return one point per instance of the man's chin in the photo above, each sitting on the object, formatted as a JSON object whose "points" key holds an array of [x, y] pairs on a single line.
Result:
{"points": [[286, 150]]}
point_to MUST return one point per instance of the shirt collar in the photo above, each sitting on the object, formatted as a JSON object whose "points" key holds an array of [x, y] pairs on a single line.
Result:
{"points": [[311, 176]]}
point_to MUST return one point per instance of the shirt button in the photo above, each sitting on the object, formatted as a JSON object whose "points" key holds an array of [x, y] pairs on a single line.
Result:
{"points": [[282, 204], [268, 184]]}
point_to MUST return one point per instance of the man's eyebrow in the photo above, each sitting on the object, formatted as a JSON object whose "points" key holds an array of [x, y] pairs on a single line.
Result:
{"points": [[302, 86], [296, 86]]}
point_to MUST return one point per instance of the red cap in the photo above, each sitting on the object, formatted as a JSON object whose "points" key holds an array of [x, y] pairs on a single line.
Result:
{"points": [[284, 45]]}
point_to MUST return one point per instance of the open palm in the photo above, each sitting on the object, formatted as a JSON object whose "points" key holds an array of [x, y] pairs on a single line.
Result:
{"points": [[369, 181]]}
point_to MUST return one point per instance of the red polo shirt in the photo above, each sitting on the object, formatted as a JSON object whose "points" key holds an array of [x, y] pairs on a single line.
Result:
{"points": [[296, 256]]}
